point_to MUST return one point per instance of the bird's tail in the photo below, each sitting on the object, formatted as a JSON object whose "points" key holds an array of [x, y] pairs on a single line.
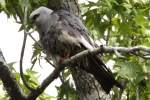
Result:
{"points": [[102, 74]]}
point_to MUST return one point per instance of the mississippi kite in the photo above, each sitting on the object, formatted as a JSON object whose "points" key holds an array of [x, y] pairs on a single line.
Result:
{"points": [[63, 35]]}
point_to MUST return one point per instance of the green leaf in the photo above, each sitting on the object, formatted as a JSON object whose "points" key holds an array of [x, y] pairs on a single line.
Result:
{"points": [[66, 92], [36, 50], [124, 28], [3, 3], [129, 70], [140, 20]]}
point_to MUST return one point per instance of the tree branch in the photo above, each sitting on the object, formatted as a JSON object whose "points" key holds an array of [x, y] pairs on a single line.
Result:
{"points": [[2, 58], [23, 48], [77, 57], [9, 81], [14, 90], [136, 50]]}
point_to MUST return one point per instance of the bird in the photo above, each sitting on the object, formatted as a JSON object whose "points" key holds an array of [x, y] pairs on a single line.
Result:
{"points": [[62, 35]]}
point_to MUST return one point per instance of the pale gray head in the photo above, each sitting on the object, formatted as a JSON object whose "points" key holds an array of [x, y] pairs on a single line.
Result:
{"points": [[40, 14], [41, 17]]}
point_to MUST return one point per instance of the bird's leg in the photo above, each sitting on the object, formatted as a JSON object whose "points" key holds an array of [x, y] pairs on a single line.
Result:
{"points": [[65, 56]]}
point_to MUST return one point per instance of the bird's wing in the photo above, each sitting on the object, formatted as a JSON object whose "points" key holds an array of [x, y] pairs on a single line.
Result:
{"points": [[72, 31], [74, 28]]}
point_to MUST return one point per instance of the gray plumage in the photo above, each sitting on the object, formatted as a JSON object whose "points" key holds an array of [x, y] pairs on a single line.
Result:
{"points": [[63, 34]]}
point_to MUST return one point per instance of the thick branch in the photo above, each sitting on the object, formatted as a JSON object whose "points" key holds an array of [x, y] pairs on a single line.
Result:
{"points": [[137, 50], [77, 57], [69, 5], [2, 58], [34, 94], [125, 49], [9, 82], [14, 90]]}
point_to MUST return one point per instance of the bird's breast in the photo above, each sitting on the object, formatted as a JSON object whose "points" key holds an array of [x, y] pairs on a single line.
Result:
{"points": [[55, 44]]}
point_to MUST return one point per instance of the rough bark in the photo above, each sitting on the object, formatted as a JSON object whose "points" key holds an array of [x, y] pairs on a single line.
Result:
{"points": [[9, 82], [69, 5], [86, 85]]}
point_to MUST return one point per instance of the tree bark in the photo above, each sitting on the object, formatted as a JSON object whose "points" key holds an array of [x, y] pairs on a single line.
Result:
{"points": [[9, 81], [86, 86], [69, 5]]}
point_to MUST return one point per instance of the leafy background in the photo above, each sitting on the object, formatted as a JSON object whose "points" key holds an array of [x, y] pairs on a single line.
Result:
{"points": [[117, 23]]}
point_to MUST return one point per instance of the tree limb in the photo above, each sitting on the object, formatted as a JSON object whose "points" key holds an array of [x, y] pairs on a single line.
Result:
{"points": [[136, 50], [9, 82], [2, 58], [14, 90], [77, 57]]}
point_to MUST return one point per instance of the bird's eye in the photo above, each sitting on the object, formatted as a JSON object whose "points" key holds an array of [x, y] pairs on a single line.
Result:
{"points": [[36, 16]]}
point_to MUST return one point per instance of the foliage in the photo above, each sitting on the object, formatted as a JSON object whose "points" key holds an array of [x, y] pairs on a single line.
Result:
{"points": [[15, 9], [119, 23], [66, 92], [123, 23]]}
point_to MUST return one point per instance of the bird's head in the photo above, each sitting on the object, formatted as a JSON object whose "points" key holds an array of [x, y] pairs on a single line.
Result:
{"points": [[40, 15]]}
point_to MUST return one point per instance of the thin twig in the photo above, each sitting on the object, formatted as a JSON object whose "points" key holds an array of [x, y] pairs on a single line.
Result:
{"points": [[23, 20], [138, 93], [23, 49], [34, 39], [109, 31]]}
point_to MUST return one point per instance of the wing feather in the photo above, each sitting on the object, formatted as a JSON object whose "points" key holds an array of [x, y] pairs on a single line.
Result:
{"points": [[73, 26]]}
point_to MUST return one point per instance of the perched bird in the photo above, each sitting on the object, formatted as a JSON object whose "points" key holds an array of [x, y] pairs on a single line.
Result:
{"points": [[63, 35]]}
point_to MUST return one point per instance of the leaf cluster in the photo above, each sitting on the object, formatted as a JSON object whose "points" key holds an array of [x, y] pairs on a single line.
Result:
{"points": [[123, 23]]}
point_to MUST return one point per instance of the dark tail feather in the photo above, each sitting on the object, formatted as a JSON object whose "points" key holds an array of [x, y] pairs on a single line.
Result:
{"points": [[102, 74]]}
